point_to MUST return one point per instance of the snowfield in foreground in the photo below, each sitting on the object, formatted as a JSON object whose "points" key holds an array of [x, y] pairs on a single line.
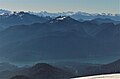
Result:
{"points": [[110, 76]]}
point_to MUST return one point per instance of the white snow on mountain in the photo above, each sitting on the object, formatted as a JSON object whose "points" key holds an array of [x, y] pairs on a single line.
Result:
{"points": [[3, 12], [109, 76], [61, 18], [45, 13], [68, 13], [76, 15]]}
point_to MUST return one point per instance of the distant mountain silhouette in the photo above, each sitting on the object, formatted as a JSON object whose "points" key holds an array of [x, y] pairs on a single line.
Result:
{"points": [[76, 15], [4, 12], [79, 15], [7, 20], [106, 20], [7, 66], [88, 16]]}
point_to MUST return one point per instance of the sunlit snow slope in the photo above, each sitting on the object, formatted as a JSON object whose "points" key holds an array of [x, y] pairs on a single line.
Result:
{"points": [[110, 76]]}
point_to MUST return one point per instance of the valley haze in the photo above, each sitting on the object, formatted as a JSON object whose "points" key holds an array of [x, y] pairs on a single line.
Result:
{"points": [[63, 36], [59, 39]]}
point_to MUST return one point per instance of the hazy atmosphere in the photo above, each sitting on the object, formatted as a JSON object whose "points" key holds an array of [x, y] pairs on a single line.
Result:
{"points": [[59, 39], [91, 6]]}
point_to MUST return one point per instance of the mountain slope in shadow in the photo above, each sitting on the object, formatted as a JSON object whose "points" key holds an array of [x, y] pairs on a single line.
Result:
{"points": [[38, 71]]}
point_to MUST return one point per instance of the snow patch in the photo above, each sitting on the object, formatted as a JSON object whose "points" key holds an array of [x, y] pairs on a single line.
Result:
{"points": [[61, 18], [109, 76]]}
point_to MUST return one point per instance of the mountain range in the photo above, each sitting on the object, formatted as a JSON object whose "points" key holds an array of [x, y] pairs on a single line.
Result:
{"points": [[47, 71], [59, 38], [38, 71], [33, 37], [75, 15], [11, 19], [4, 12], [79, 15]]}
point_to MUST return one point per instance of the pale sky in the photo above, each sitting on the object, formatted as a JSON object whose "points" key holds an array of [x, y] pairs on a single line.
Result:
{"points": [[91, 6]]}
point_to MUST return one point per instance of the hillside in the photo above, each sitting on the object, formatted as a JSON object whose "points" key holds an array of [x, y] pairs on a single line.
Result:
{"points": [[59, 38], [38, 71], [19, 18]]}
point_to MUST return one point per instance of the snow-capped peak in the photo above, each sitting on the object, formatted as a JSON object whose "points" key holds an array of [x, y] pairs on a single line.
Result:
{"points": [[4, 12], [61, 18]]}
